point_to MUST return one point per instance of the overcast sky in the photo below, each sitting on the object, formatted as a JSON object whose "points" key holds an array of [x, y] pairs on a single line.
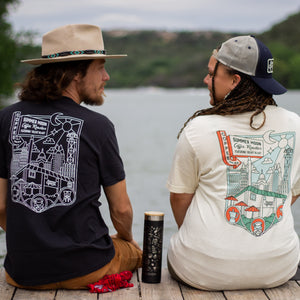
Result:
{"points": [[247, 16]]}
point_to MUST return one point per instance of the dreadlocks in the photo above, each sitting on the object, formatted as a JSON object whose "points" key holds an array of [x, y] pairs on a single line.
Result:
{"points": [[247, 96]]}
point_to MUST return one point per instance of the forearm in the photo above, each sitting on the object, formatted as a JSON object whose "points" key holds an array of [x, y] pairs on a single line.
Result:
{"points": [[122, 221], [3, 221], [120, 209], [180, 204], [294, 198]]}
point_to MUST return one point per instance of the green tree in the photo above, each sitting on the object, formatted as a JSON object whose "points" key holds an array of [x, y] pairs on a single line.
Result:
{"points": [[8, 49], [294, 71]]}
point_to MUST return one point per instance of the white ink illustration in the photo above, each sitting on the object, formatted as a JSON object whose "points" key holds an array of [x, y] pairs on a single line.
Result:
{"points": [[258, 178], [44, 167]]}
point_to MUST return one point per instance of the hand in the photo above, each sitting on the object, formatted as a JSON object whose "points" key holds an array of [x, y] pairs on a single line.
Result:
{"points": [[133, 242]]}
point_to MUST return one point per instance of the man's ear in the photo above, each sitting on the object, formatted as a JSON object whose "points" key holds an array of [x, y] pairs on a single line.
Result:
{"points": [[77, 77]]}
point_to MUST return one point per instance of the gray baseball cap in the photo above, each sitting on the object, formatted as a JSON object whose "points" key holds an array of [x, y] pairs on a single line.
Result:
{"points": [[250, 56]]}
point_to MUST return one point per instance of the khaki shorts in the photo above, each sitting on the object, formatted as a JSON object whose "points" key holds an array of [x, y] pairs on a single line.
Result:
{"points": [[127, 258]]}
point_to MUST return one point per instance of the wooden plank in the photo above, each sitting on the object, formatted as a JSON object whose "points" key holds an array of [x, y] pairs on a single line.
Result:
{"points": [[22, 294], [247, 295], [6, 290], [190, 293], [167, 289], [74, 295], [124, 294], [290, 291]]}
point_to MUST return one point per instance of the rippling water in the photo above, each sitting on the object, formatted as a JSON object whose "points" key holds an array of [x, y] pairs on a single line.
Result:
{"points": [[147, 122]]}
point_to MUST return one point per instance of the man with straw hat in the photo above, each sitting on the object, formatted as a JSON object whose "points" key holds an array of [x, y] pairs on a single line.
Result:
{"points": [[235, 174], [55, 157]]}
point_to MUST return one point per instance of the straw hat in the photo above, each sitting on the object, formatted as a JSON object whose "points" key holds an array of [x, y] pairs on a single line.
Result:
{"points": [[72, 42]]}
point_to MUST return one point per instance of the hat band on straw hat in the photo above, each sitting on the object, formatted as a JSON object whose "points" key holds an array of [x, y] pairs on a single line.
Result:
{"points": [[68, 53]]}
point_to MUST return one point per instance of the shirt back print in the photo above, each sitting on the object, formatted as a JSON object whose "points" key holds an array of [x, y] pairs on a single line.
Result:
{"points": [[44, 167], [258, 178]]}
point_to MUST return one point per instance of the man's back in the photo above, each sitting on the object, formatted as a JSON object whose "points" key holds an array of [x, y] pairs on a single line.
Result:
{"points": [[61, 154]]}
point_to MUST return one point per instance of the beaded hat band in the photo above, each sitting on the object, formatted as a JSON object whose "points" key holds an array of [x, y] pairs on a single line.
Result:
{"points": [[67, 53]]}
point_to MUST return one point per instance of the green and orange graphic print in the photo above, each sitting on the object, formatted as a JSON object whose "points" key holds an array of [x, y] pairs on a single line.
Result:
{"points": [[258, 178]]}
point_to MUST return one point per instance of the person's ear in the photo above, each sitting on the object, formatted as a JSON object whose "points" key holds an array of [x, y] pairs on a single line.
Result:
{"points": [[236, 78], [77, 77]]}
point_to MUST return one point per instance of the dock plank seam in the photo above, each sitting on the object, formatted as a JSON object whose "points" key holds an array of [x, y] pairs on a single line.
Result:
{"points": [[14, 293], [138, 283], [181, 291], [224, 295], [55, 294], [266, 294]]}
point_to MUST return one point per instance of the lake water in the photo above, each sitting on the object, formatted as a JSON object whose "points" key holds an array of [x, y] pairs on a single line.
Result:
{"points": [[147, 121]]}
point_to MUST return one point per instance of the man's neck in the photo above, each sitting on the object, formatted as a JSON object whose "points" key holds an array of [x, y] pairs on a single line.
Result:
{"points": [[71, 95]]}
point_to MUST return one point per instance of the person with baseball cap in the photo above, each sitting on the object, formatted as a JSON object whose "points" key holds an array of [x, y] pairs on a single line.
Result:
{"points": [[235, 174], [56, 155]]}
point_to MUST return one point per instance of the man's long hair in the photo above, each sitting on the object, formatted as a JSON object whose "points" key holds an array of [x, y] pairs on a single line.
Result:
{"points": [[247, 96], [47, 82]]}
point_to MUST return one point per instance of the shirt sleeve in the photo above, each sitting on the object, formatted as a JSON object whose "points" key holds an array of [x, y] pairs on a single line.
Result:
{"points": [[296, 186], [183, 177], [3, 156], [111, 164]]}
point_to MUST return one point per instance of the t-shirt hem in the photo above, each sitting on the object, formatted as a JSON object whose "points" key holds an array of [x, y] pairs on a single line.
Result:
{"points": [[60, 278], [179, 190]]}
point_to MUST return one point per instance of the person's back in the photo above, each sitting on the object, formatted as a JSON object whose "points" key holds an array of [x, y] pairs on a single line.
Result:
{"points": [[238, 181], [238, 230], [54, 209], [56, 155]]}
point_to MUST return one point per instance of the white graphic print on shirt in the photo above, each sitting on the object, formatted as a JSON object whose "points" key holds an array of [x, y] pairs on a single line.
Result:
{"points": [[45, 152], [258, 178]]}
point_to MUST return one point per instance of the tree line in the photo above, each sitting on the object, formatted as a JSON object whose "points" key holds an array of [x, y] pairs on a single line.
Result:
{"points": [[155, 58]]}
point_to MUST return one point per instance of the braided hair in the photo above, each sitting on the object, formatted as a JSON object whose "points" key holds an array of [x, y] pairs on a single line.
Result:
{"points": [[245, 97]]}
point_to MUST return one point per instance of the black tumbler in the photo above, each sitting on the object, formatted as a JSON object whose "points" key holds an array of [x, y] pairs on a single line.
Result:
{"points": [[152, 246]]}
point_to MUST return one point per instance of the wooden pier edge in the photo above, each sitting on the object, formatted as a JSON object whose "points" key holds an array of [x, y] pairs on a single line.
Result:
{"points": [[168, 289]]}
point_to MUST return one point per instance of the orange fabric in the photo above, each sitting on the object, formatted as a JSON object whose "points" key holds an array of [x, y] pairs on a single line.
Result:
{"points": [[127, 258]]}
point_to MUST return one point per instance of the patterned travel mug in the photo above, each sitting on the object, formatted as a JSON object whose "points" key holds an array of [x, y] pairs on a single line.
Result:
{"points": [[152, 246]]}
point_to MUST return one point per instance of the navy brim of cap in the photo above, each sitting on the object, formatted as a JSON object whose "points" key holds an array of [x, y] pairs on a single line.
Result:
{"points": [[269, 85]]}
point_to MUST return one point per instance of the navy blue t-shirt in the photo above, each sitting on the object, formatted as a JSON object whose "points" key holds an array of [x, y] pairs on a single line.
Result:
{"points": [[56, 156]]}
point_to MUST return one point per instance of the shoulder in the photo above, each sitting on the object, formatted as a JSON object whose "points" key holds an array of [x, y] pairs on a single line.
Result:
{"points": [[203, 125], [94, 119], [282, 115], [6, 112], [281, 111], [96, 124], [94, 116]]}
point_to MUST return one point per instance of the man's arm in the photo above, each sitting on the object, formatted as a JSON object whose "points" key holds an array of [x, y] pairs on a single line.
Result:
{"points": [[180, 203], [3, 194], [120, 210]]}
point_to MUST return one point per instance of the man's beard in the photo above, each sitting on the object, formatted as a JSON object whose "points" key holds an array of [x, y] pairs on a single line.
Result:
{"points": [[93, 101]]}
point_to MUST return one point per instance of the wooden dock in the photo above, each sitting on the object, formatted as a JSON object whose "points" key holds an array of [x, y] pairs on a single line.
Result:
{"points": [[168, 289]]}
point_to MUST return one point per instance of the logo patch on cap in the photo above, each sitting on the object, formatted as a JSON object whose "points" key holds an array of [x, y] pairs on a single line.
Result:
{"points": [[270, 63]]}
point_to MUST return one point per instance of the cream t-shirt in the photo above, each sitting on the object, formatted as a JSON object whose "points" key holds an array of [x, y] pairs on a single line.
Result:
{"points": [[238, 232]]}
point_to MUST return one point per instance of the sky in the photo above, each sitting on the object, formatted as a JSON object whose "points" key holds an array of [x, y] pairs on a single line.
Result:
{"points": [[244, 16]]}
